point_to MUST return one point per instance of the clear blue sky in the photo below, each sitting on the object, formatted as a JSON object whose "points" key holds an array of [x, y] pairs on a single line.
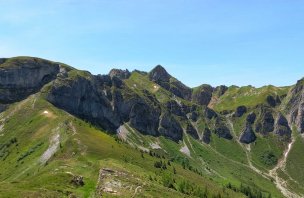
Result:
{"points": [[240, 42]]}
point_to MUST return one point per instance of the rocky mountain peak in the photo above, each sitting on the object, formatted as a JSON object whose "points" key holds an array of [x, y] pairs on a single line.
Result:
{"points": [[119, 73], [159, 73]]}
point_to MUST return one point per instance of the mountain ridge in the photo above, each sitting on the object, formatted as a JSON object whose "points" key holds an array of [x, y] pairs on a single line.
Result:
{"points": [[139, 107]]}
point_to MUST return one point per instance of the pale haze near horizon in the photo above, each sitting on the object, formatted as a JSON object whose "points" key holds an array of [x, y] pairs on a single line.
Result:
{"points": [[208, 41]]}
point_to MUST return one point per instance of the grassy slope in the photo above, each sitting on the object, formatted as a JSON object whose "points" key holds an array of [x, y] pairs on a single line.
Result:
{"points": [[83, 150], [222, 151], [248, 96], [139, 82], [87, 151], [295, 163]]}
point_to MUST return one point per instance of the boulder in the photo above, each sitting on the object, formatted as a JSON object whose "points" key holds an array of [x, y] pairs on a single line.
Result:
{"points": [[77, 180]]}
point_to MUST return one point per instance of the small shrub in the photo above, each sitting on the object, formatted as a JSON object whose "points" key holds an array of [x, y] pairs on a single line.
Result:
{"points": [[269, 158]]}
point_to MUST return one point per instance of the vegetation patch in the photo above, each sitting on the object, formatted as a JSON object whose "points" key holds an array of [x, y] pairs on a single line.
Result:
{"points": [[269, 158]]}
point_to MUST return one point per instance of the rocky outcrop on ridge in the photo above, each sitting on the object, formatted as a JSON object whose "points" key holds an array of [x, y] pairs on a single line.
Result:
{"points": [[108, 102], [248, 136], [295, 106], [282, 127], [202, 95], [21, 77], [161, 77]]}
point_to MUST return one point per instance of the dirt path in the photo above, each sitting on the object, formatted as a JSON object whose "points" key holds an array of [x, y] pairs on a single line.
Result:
{"points": [[53, 147], [136, 190], [281, 183], [246, 149], [185, 150]]}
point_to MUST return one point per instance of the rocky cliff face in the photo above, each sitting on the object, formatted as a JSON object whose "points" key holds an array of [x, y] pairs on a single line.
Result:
{"points": [[295, 106], [202, 95], [265, 120], [221, 129], [248, 136], [121, 74], [20, 77], [109, 102], [282, 127]]}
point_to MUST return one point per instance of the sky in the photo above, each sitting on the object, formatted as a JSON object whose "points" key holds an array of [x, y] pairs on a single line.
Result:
{"points": [[235, 42]]}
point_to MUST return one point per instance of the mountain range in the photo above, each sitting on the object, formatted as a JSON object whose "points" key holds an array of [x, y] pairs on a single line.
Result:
{"points": [[67, 133]]}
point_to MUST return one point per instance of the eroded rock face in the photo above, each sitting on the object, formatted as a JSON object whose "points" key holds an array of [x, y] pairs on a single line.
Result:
{"points": [[281, 127], [240, 111], [265, 122], [180, 90], [248, 136], [119, 73], [81, 97], [108, 103], [145, 119], [21, 77], [209, 113], [203, 95], [193, 116], [251, 118], [295, 106], [170, 128], [222, 130], [175, 108], [273, 101], [206, 135], [220, 90], [191, 131]]}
